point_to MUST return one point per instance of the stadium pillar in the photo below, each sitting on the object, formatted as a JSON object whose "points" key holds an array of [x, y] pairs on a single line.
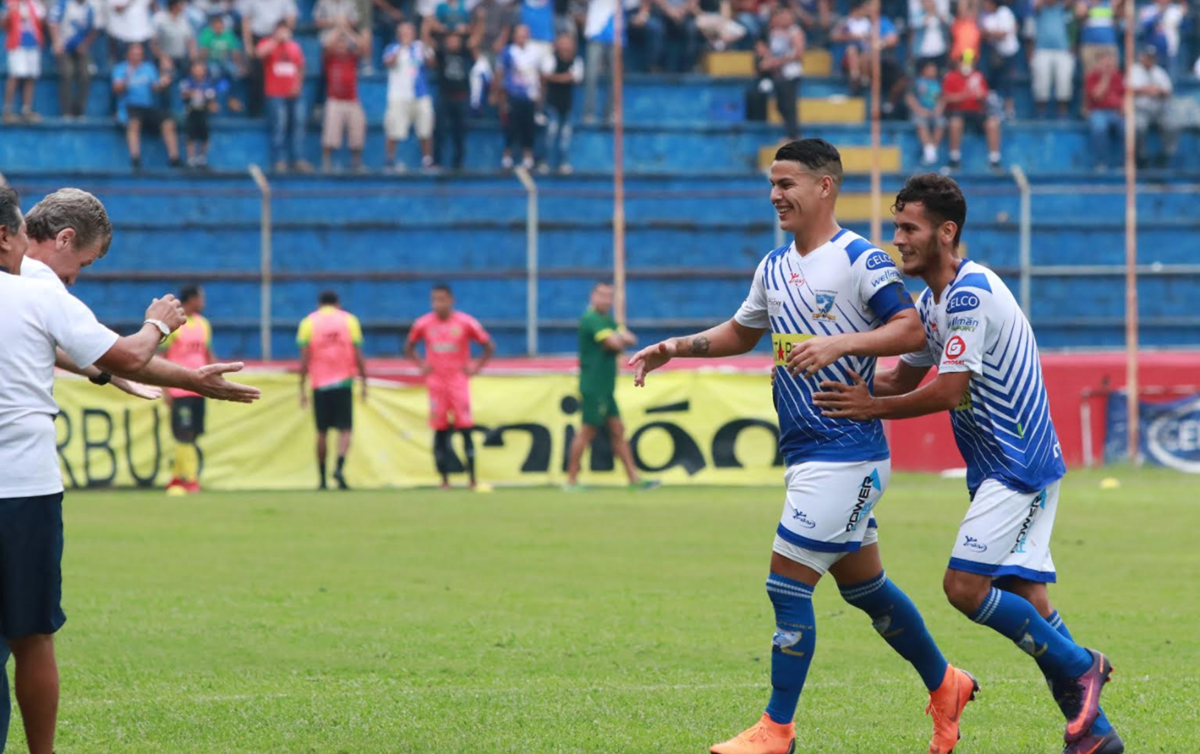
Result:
{"points": [[531, 261], [265, 278], [1026, 249], [618, 114], [876, 90], [1131, 293]]}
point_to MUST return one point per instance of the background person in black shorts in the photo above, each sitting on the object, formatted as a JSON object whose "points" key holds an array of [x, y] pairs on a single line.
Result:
{"points": [[138, 83], [199, 92]]}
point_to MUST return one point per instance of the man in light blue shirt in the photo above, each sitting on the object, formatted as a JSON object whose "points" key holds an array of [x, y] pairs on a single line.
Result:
{"points": [[1053, 65]]}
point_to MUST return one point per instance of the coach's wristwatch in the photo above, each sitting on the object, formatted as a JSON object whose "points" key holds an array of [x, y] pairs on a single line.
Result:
{"points": [[162, 328], [101, 379]]}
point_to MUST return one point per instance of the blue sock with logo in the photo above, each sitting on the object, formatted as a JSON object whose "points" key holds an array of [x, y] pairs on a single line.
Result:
{"points": [[1014, 617], [793, 644], [897, 620], [1102, 725]]}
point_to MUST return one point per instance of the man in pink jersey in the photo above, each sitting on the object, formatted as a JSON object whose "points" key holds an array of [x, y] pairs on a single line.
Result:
{"points": [[330, 341], [447, 364], [190, 346]]}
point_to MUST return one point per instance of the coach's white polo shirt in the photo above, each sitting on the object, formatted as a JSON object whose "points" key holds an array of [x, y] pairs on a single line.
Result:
{"points": [[38, 316], [32, 269]]}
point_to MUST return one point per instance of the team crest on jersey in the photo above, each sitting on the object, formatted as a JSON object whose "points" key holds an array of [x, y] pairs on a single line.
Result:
{"points": [[825, 303]]}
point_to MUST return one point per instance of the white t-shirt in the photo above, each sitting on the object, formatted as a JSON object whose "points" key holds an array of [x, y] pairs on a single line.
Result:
{"points": [[130, 20], [38, 316], [32, 269], [1140, 76], [1003, 21], [264, 15]]}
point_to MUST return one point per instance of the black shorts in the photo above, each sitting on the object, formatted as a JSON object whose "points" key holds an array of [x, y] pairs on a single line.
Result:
{"points": [[31, 548], [187, 418], [151, 118], [972, 120], [334, 408], [196, 125]]}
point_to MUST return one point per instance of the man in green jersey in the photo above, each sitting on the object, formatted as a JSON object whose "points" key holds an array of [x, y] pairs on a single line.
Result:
{"points": [[600, 340]]}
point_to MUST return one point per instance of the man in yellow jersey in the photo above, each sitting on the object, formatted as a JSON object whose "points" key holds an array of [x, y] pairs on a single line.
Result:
{"points": [[190, 346], [330, 341]]}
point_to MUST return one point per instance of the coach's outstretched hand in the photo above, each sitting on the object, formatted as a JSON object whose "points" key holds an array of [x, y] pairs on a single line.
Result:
{"points": [[137, 389], [650, 358], [211, 383]]}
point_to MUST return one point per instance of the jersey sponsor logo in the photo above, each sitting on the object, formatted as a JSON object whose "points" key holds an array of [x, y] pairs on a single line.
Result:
{"points": [[973, 544], [963, 324], [955, 348], [964, 301], [782, 344], [878, 259], [891, 275], [801, 519], [774, 306], [825, 302], [862, 508], [796, 279], [1037, 504]]}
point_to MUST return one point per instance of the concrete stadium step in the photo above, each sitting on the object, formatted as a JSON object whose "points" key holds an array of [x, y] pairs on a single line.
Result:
{"points": [[835, 109], [854, 159], [740, 63]]}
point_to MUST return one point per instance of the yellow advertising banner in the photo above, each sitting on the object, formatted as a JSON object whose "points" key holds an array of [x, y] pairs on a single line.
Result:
{"points": [[685, 427]]}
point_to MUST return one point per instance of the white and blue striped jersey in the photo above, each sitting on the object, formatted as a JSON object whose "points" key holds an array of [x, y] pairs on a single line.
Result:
{"points": [[846, 286], [1002, 426]]}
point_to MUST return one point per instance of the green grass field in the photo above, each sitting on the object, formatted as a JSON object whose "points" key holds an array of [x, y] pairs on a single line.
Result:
{"points": [[612, 621]]}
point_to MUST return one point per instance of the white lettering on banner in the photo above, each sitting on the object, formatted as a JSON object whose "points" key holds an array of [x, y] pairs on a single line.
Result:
{"points": [[1173, 438]]}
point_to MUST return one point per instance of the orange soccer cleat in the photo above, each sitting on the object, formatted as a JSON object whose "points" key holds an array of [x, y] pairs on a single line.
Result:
{"points": [[764, 737], [946, 705]]}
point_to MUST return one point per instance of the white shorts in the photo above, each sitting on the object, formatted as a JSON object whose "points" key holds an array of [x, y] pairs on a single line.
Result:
{"points": [[1007, 533], [25, 63], [404, 114], [828, 510]]}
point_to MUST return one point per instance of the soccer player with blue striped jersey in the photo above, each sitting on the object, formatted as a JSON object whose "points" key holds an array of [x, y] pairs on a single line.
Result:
{"points": [[832, 303], [990, 380]]}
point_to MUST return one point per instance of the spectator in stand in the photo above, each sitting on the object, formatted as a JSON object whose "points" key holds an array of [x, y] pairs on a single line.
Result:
{"points": [[72, 32], [1159, 23], [23, 20], [387, 16], [454, 63], [174, 41], [965, 94], [128, 22], [410, 104], [746, 13], [331, 15], [260, 21], [451, 17], [199, 93], [964, 32], [1053, 65], [491, 23], [137, 84], [999, 28], [778, 61], [1104, 98], [927, 110], [344, 115], [283, 82], [644, 40], [222, 50], [1099, 32], [816, 19], [201, 13], [1152, 92], [519, 76], [855, 33], [929, 21], [561, 73], [682, 39], [538, 18], [718, 27]]}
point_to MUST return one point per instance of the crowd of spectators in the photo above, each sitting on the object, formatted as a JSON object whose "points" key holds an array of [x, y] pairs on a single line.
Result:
{"points": [[947, 65]]}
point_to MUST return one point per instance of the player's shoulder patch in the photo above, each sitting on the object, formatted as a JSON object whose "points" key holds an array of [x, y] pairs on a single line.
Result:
{"points": [[963, 301], [972, 280], [858, 247], [877, 259]]}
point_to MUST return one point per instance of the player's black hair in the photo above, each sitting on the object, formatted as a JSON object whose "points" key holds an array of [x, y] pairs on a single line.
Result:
{"points": [[814, 154], [941, 197], [328, 298], [10, 209], [444, 287], [188, 292]]}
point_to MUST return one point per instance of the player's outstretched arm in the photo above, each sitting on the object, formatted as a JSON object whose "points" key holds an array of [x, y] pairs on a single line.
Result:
{"points": [[729, 338], [840, 401], [902, 334]]}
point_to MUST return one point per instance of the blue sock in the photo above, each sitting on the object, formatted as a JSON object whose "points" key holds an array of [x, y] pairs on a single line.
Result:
{"points": [[1102, 725], [1015, 618], [897, 620], [793, 645]]}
